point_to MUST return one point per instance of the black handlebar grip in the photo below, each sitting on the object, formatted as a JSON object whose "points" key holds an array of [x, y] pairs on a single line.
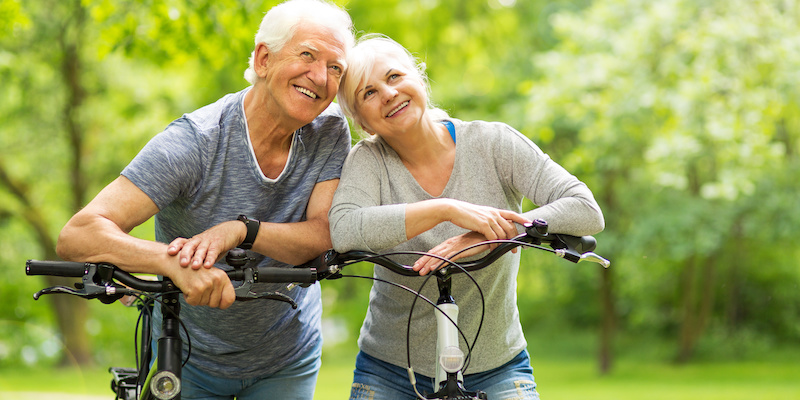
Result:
{"points": [[286, 275], [588, 243], [56, 268]]}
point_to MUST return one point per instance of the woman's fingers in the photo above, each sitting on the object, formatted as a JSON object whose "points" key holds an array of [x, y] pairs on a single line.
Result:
{"points": [[493, 223], [451, 249]]}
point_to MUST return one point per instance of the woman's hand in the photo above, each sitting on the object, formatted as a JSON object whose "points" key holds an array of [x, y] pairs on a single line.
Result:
{"points": [[207, 247], [448, 249], [492, 223]]}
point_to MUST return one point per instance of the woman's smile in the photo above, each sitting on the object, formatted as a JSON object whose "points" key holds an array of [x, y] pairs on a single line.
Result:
{"points": [[397, 109]]}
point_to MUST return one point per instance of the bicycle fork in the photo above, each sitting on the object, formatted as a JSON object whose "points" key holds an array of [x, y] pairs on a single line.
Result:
{"points": [[450, 357], [166, 382]]}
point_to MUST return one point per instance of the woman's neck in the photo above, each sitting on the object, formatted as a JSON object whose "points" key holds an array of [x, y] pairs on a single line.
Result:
{"points": [[426, 141], [429, 155]]}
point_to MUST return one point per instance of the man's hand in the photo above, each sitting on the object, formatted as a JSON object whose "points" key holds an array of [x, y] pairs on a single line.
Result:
{"points": [[209, 246], [204, 286]]}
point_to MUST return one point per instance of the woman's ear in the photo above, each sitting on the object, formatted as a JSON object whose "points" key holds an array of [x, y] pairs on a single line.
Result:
{"points": [[364, 128]]}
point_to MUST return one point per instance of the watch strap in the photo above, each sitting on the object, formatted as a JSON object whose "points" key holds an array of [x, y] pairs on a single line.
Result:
{"points": [[252, 226]]}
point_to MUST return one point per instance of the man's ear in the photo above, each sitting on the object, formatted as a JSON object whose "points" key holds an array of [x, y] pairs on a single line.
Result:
{"points": [[261, 59]]}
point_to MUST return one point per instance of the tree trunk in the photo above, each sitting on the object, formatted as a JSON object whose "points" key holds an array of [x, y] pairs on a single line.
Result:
{"points": [[605, 354], [72, 312], [606, 351], [696, 306]]}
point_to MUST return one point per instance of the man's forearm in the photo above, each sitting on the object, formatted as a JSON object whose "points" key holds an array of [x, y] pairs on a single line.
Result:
{"points": [[293, 243]]}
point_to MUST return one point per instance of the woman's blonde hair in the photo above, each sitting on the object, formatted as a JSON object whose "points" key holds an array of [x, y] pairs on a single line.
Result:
{"points": [[361, 60]]}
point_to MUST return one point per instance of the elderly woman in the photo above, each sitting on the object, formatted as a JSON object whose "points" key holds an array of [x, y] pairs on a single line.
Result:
{"points": [[256, 169], [424, 181]]}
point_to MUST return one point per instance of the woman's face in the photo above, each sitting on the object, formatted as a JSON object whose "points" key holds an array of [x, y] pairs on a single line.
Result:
{"points": [[392, 99]]}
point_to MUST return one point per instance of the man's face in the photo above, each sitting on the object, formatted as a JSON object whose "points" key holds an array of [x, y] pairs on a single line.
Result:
{"points": [[302, 79]]}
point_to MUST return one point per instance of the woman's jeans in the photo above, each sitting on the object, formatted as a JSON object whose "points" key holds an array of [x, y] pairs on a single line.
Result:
{"points": [[377, 380]]}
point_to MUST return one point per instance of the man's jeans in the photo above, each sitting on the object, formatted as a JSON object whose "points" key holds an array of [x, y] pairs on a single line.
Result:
{"points": [[297, 381]]}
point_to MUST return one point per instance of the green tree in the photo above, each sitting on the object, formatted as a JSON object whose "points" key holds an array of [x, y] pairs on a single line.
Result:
{"points": [[75, 111], [687, 118]]}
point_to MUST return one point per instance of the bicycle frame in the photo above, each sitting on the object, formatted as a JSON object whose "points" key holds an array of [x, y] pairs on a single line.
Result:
{"points": [[163, 380], [109, 284]]}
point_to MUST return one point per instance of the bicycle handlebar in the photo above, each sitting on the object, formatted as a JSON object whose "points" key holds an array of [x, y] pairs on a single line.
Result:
{"points": [[72, 269], [571, 248], [99, 280], [102, 280]]}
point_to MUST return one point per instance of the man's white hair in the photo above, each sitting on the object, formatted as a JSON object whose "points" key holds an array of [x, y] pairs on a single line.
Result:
{"points": [[280, 23]]}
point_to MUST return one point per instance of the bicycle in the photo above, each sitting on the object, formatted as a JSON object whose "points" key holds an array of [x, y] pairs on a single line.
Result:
{"points": [[108, 284], [163, 382], [451, 358]]}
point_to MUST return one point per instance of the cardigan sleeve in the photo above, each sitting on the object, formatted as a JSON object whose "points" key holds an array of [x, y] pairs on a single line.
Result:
{"points": [[357, 219], [562, 199]]}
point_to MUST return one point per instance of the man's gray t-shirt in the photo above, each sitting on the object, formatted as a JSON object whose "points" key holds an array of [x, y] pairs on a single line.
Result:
{"points": [[201, 171]]}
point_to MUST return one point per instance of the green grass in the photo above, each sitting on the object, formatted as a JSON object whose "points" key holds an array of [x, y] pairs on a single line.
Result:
{"points": [[77, 381], [634, 380], [561, 373]]}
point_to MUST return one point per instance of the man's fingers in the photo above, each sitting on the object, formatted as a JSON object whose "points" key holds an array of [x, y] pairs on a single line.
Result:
{"points": [[175, 246], [211, 256], [187, 252], [228, 296], [199, 257]]}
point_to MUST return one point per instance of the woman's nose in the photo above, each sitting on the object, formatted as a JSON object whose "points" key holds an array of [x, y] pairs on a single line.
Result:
{"points": [[389, 93]]}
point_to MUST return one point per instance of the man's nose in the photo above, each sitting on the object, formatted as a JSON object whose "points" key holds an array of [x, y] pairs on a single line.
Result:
{"points": [[318, 74]]}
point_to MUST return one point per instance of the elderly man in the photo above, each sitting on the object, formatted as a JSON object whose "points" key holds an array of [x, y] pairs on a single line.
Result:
{"points": [[256, 169]]}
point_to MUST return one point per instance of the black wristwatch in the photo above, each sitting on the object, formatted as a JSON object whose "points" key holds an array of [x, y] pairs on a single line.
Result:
{"points": [[252, 230]]}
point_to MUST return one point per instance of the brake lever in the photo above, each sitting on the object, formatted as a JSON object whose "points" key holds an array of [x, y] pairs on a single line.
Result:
{"points": [[590, 256], [106, 294], [268, 296], [244, 292], [60, 289]]}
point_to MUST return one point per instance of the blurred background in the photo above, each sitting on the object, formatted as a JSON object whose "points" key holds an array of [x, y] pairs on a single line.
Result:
{"points": [[683, 117]]}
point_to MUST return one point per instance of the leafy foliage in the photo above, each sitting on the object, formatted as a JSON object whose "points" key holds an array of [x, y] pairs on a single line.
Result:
{"points": [[682, 116], [687, 117]]}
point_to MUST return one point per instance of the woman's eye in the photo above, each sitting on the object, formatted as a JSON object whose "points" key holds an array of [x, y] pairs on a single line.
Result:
{"points": [[393, 76]]}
